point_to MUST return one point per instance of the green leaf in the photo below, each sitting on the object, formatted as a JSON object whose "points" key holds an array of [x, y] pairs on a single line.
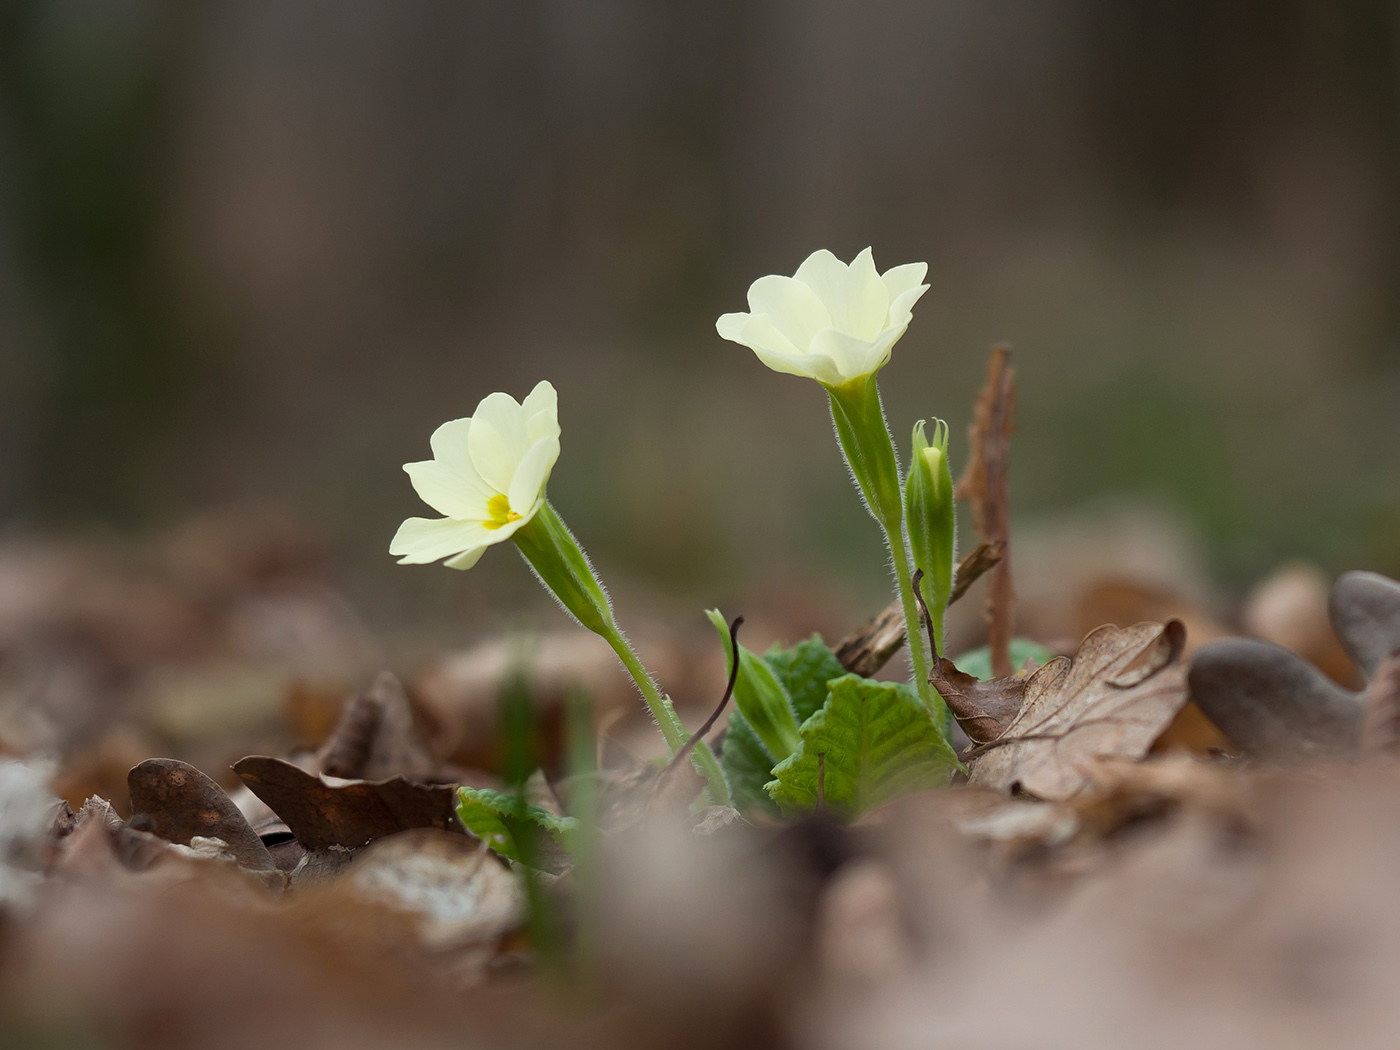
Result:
{"points": [[492, 816], [804, 671], [879, 743], [761, 697], [978, 662], [747, 766]]}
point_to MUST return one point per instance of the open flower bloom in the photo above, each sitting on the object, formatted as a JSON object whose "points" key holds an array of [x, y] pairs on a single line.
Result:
{"points": [[829, 321], [487, 475]]}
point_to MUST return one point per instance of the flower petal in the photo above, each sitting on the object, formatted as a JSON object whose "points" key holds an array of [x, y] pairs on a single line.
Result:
{"points": [[854, 295], [509, 528], [775, 351], [824, 274], [533, 472], [423, 540], [850, 355], [541, 411], [792, 306], [877, 351], [447, 492], [466, 559], [449, 444], [902, 308], [899, 279], [497, 441], [867, 300], [730, 326]]}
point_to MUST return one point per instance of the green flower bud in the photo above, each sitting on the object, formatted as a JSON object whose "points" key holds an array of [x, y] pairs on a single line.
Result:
{"points": [[928, 494]]}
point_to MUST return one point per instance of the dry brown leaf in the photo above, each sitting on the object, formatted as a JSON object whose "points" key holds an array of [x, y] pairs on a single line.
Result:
{"points": [[377, 738], [179, 803], [984, 485], [1121, 689], [984, 709], [348, 813]]}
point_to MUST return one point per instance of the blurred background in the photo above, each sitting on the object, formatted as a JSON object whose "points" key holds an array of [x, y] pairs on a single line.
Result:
{"points": [[251, 254]]}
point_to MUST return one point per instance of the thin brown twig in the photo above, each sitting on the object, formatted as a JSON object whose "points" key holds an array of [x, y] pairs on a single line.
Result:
{"points": [[984, 485], [869, 647], [928, 620]]}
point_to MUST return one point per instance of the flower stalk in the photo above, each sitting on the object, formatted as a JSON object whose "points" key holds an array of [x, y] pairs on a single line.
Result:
{"points": [[487, 477], [865, 441], [837, 324], [563, 568]]}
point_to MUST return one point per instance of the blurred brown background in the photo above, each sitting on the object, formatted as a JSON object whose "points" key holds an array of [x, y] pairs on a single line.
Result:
{"points": [[253, 253]]}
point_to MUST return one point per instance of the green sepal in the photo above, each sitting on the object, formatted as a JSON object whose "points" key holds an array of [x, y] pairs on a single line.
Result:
{"points": [[865, 441], [490, 815], [549, 547], [878, 742]]}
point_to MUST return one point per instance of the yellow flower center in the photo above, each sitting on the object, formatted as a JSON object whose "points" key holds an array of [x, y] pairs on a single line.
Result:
{"points": [[501, 514]]}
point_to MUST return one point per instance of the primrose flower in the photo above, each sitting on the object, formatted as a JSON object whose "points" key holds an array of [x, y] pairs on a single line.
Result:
{"points": [[829, 322], [487, 475]]}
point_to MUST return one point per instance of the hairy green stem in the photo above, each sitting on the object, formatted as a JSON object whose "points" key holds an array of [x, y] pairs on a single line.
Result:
{"points": [[865, 440], [918, 659], [668, 721], [564, 569]]}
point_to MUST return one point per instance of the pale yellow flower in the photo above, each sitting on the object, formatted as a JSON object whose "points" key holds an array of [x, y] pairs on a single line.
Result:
{"points": [[487, 475], [829, 321]]}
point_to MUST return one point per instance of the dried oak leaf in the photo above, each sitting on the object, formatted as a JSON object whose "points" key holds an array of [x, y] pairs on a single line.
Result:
{"points": [[377, 737], [1118, 693], [347, 814], [180, 803]]}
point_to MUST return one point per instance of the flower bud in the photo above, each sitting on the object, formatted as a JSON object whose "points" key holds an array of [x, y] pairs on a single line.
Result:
{"points": [[928, 495]]}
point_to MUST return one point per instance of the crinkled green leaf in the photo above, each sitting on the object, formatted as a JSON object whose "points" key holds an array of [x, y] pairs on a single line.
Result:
{"points": [[747, 766], [978, 662], [761, 697], [488, 815], [804, 670], [879, 743]]}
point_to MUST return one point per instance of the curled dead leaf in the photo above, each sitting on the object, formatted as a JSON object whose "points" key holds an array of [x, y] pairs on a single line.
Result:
{"points": [[983, 709], [377, 737], [179, 803], [1118, 693], [348, 814]]}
